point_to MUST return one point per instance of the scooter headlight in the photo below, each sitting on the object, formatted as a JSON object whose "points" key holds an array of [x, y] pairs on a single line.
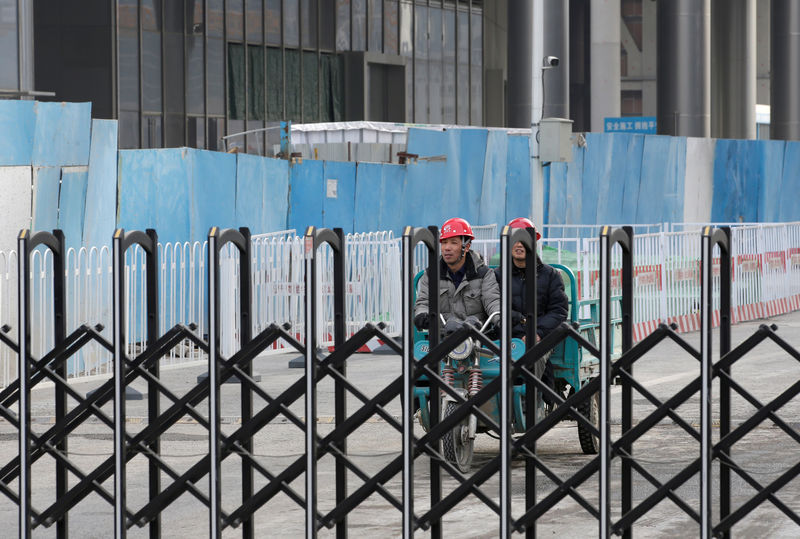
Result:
{"points": [[463, 350]]}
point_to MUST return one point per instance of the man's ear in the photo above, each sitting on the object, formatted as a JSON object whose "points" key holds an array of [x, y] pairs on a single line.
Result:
{"points": [[467, 245]]}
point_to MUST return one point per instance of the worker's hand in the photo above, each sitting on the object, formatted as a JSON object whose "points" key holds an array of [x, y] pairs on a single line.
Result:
{"points": [[452, 325], [516, 318], [422, 321]]}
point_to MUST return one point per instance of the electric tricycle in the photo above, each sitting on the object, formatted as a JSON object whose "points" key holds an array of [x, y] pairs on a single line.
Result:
{"points": [[470, 366]]}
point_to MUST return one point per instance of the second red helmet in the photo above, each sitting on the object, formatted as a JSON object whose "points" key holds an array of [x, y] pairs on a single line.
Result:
{"points": [[456, 227], [524, 222]]}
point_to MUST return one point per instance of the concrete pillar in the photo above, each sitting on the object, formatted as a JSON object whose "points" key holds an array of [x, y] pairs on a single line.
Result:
{"points": [[785, 61], [556, 43], [520, 49], [733, 69], [684, 56], [605, 69], [25, 44]]}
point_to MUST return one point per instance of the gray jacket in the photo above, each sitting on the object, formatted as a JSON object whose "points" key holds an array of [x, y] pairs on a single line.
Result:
{"points": [[477, 296]]}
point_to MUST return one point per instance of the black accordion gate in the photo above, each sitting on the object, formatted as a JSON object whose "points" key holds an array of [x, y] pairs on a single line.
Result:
{"points": [[202, 480]]}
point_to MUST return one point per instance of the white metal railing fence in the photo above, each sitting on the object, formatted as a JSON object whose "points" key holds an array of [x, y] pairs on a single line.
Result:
{"points": [[766, 282]]}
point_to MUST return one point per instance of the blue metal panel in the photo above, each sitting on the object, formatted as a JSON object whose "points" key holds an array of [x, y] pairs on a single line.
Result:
{"points": [[491, 207], [213, 193], [518, 179], [101, 191], [338, 204], [174, 173], [469, 163], [661, 187], [574, 193], [137, 192], [789, 209], [71, 205], [394, 186], [46, 184], [276, 195], [251, 175], [17, 125], [556, 195], [631, 177], [62, 134], [735, 183], [596, 175], [305, 195], [771, 198], [370, 201]]}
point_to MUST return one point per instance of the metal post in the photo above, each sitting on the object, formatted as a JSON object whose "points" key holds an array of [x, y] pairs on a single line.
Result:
{"points": [[705, 388], [605, 367], [435, 399], [153, 393], [215, 517], [506, 384], [340, 395], [60, 332], [531, 391], [408, 385], [245, 335], [120, 460], [724, 383], [311, 376], [23, 299], [627, 389]]}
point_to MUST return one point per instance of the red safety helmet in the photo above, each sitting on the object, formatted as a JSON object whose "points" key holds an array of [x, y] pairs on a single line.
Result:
{"points": [[524, 222], [456, 227]]}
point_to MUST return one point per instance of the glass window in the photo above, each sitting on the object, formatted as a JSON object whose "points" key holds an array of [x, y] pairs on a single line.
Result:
{"points": [[194, 9], [390, 27], [257, 83], [435, 65], [272, 21], [173, 72], [129, 71], [449, 70], [342, 25], [332, 99], [327, 25], [255, 141], [216, 16], [196, 136], [215, 76], [310, 89], [308, 20], [407, 49], [174, 130], [293, 90], [476, 66], [151, 132], [151, 15], [173, 17], [359, 21], [195, 70], [127, 14], [462, 59], [274, 84], [128, 130], [216, 126], [421, 64], [253, 21], [291, 23], [236, 81], [234, 21], [151, 71], [375, 8]]}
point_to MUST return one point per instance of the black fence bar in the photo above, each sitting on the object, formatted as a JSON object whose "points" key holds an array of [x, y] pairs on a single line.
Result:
{"points": [[608, 238], [411, 237], [524, 372]]}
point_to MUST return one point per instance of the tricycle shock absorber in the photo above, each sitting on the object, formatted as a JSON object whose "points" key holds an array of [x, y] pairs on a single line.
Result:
{"points": [[475, 380], [448, 375]]}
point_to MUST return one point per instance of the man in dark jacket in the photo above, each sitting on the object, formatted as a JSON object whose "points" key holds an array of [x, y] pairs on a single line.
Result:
{"points": [[552, 305], [468, 289]]}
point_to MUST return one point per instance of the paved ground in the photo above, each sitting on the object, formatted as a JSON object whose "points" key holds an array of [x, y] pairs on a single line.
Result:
{"points": [[663, 451]]}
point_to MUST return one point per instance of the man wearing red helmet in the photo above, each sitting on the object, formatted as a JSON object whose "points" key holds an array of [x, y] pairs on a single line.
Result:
{"points": [[468, 291], [552, 304]]}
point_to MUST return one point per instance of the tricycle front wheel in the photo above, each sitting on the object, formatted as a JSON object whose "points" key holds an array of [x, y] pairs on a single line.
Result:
{"points": [[590, 409], [457, 446]]}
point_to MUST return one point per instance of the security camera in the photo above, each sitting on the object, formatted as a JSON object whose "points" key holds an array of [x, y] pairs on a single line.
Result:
{"points": [[550, 61]]}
